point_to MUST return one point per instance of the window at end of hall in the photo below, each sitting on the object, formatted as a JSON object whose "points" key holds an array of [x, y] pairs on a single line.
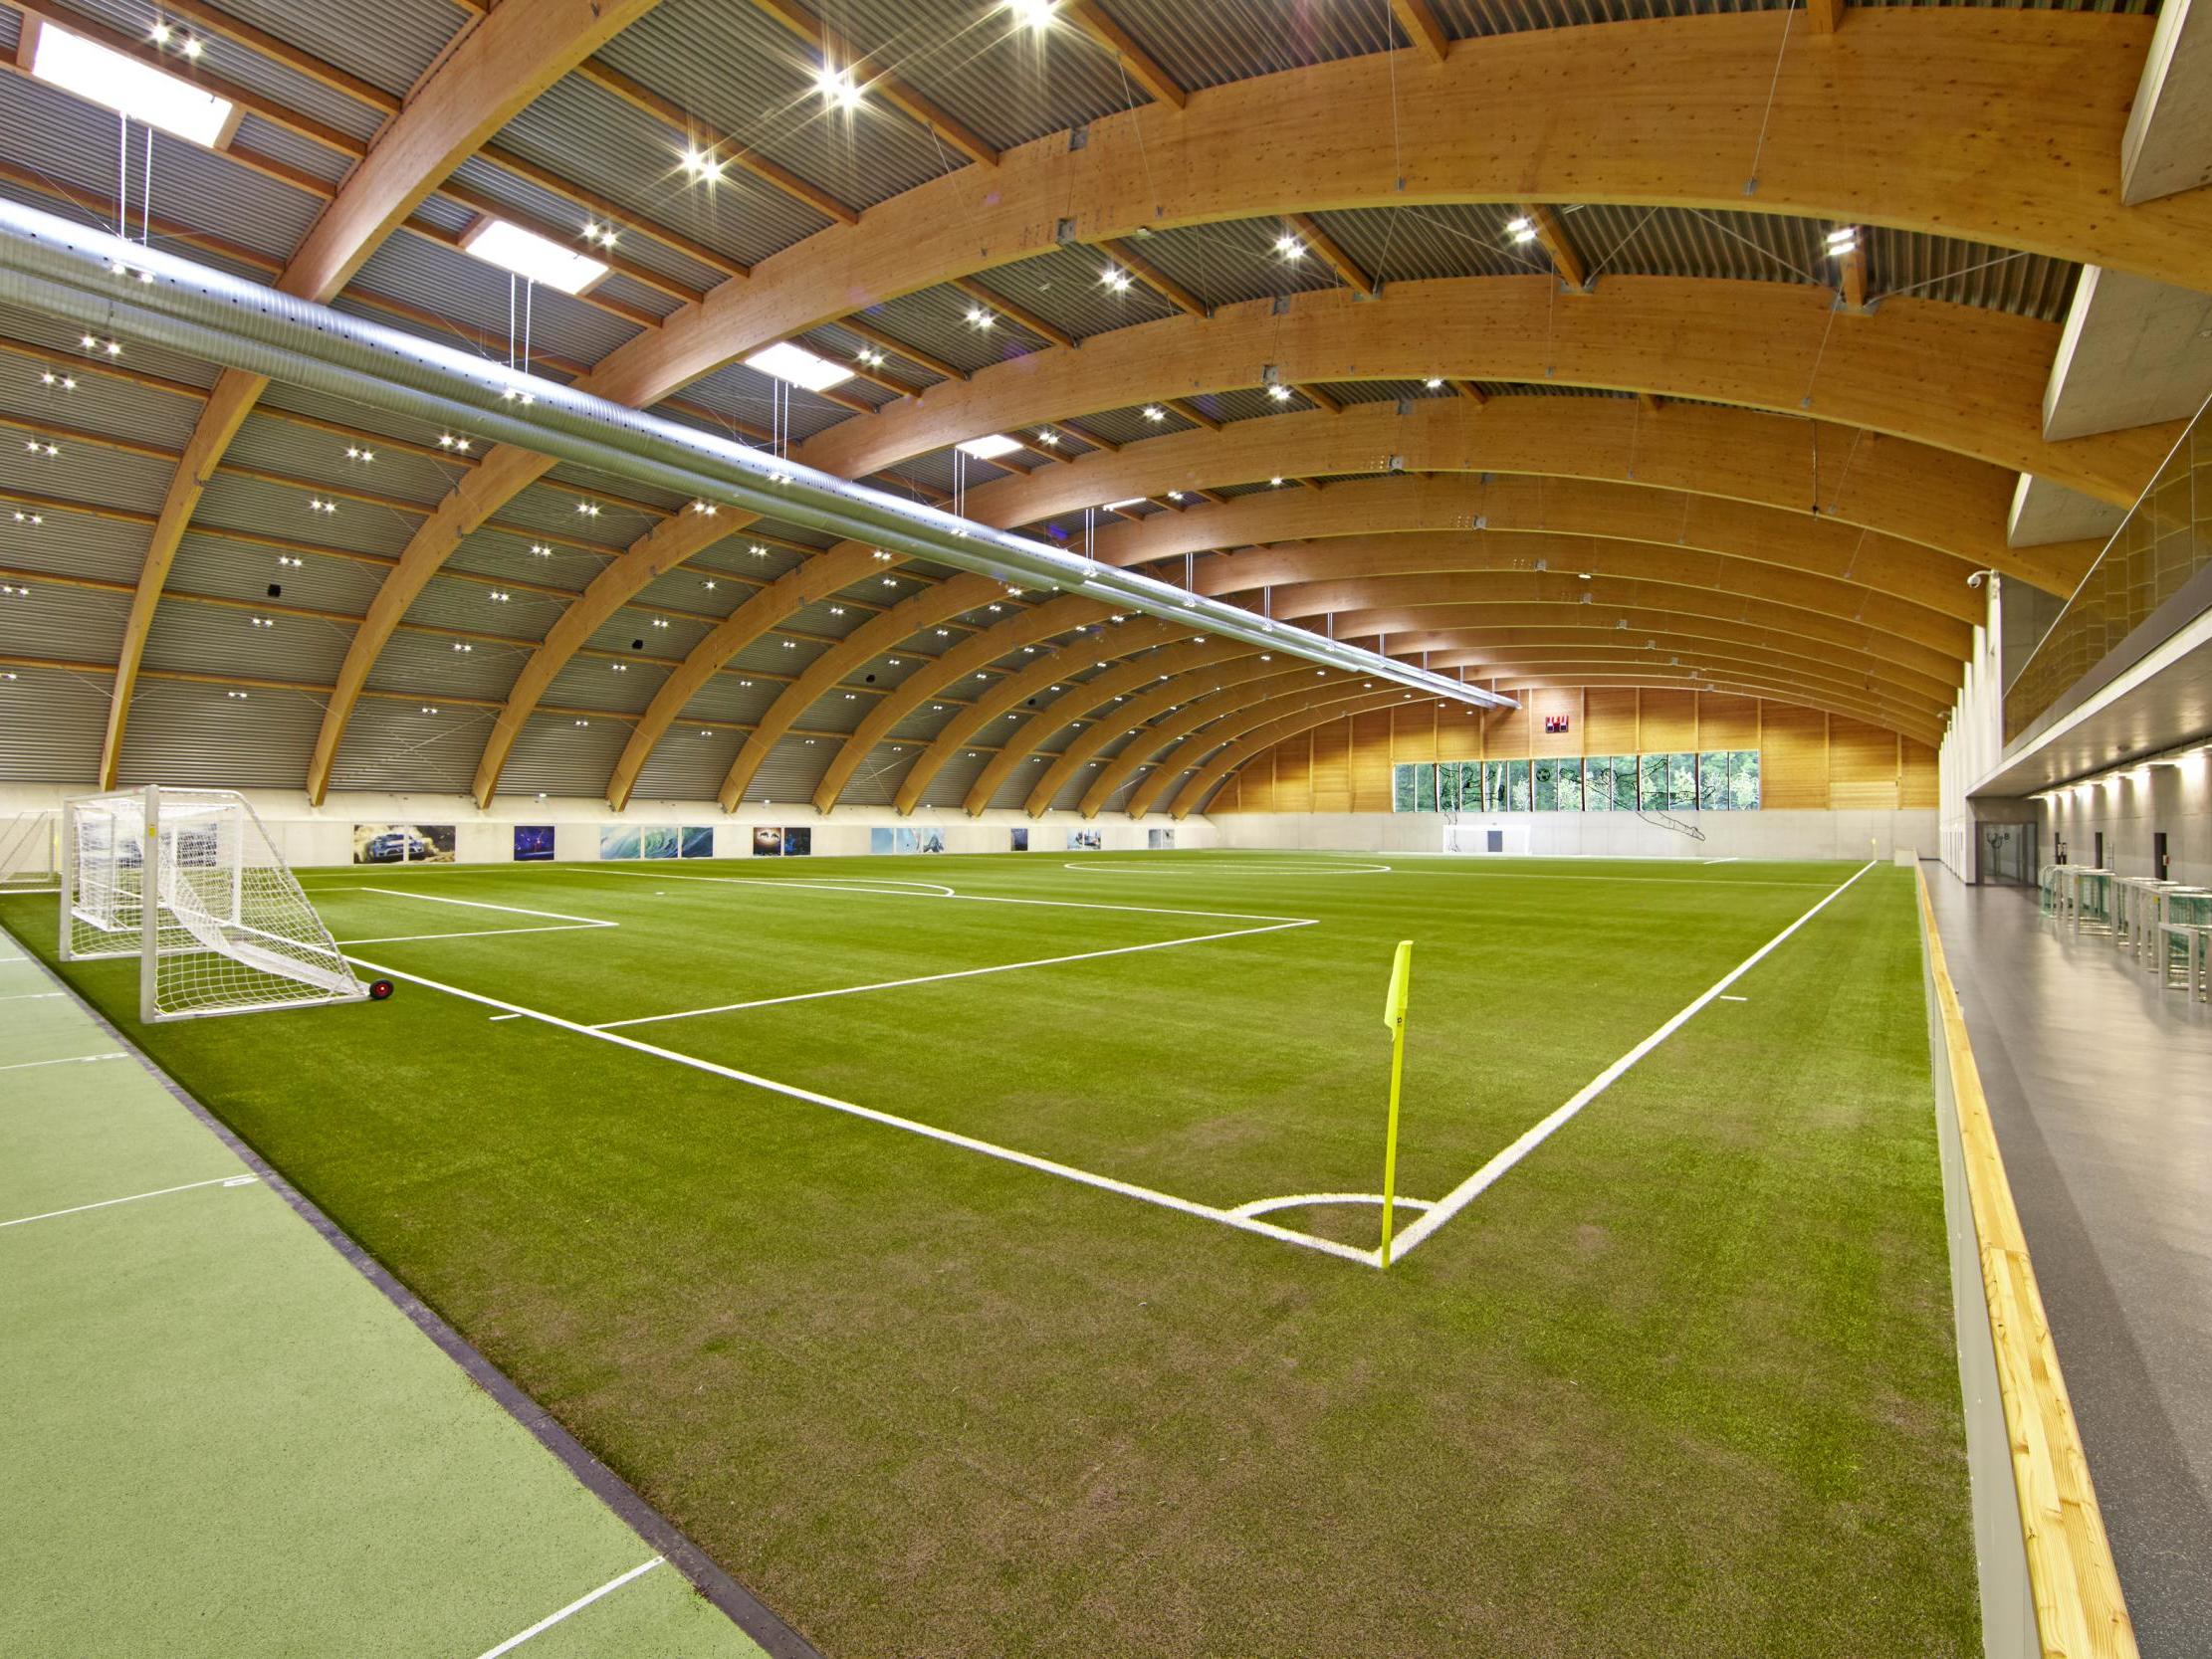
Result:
{"points": [[1715, 781]]}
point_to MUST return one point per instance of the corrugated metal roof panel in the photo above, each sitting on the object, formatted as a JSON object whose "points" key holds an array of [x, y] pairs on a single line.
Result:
{"points": [[1235, 260], [78, 624], [603, 686], [392, 744], [936, 320], [747, 78], [227, 60], [72, 543], [55, 722], [210, 564], [686, 767], [1409, 244], [97, 403], [82, 472], [292, 150], [728, 697], [387, 43], [1909, 264], [217, 639], [1133, 425], [790, 772], [1064, 288], [737, 393], [184, 733], [1463, 18], [580, 132], [476, 295], [279, 509], [1205, 46], [427, 666], [64, 342], [877, 779], [955, 778], [555, 756], [525, 197]]}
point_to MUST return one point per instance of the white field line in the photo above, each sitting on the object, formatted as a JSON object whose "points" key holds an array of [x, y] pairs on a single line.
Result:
{"points": [[482, 933], [1261, 1206], [881, 888], [1255, 868], [968, 1143], [958, 974], [939, 892], [66, 1060], [32, 996], [582, 1602], [487, 904], [158, 1192], [1457, 1199]]}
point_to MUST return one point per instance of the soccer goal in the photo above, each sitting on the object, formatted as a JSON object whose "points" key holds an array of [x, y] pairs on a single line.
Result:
{"points": [[189, 883]]}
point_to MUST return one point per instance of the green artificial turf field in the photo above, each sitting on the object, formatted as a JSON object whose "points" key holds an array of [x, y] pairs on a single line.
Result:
{"points": [[1681, 1382]]}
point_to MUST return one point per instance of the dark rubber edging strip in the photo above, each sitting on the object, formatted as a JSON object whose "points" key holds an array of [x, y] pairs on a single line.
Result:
{"points": [[742, 1608]]}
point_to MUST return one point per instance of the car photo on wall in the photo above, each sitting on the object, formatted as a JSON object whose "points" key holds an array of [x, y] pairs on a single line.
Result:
{"points": [[403, 843]]}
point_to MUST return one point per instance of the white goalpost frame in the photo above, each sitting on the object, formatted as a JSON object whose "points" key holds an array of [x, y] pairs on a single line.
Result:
{"points": [[197, 959]]}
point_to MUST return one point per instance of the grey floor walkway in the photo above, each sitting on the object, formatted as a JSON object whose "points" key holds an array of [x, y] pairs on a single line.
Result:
{"points": [[223, 1439], [2100, 1086]]}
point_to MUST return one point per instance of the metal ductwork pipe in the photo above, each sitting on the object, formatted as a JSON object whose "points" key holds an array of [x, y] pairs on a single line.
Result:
{"points": [[107, 285]]}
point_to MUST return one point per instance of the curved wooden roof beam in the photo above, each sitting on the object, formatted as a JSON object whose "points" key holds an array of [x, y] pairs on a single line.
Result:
{"points": [[1820, 609], [499, 66], [925, 610], [1004, 696], [1958, 377], [1905, 491], [1223, 734], [1028, 627], [2035, 170], [1089, 699]]}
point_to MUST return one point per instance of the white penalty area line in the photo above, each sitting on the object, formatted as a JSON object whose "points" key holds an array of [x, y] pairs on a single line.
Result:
{"points": [[958, 974], [582, 1602], [558, 921], [950, 1138], [158, 1192], [1457, 1199]]}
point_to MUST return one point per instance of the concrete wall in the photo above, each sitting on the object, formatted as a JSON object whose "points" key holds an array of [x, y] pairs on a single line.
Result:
{"points": [[1766, 834], [2128, 809], [307, 835], [1976, 736]]}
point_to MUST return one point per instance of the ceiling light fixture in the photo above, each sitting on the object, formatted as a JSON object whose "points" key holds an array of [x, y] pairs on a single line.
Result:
{"points": [[989, 448], [701, 166], [1842, 239], [1115, 277], [978, 317], [1289, 246], [1281, 394], [1153, 412], [799, 366], [1521, 230], [836, 87], [530, 256], [130, 88]]}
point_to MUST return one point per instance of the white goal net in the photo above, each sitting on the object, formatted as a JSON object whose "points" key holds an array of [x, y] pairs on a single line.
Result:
{"points": [[219, 926]]}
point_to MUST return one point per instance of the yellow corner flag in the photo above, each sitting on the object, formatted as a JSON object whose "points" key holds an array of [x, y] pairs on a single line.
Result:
{"points": [[1394, 1019]]}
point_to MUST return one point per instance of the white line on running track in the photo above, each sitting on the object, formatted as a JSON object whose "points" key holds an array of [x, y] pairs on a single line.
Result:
{"points": [[158, 1192], [66, 1060], [960, 973], [582, 1602], [1457, 1199], [968, 1143], [486, 905]]}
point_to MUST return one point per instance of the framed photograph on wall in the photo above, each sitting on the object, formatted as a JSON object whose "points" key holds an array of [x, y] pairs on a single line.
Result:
{"points": [[798, 841], [534, 843], [699, 841], [1020, 839], [768, 841], [618, 841], [1086, 841], [403, 843]]}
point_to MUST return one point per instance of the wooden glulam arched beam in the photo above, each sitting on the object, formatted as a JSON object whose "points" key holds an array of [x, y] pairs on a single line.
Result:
{"points": [[1026, 630], [1091, 701], [501, 63], [1227, 733], [1809, 605], [1261, 570], [2036, 169], [1956, 377], [1903, 492], [1106, 644], [926, 609]]}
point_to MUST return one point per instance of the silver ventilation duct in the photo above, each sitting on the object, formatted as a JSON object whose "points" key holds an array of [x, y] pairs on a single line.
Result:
{"points": [[111, 286]]}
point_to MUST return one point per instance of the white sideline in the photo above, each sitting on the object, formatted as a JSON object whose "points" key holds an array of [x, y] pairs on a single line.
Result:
{"points": [[939, 892], [1230, 867], [582, 1602], [968, 1143], [958, 974], [66, 1060], [479, 932], [487, 904], [1457, 1199], [158, 1192], [1260, 1206]]}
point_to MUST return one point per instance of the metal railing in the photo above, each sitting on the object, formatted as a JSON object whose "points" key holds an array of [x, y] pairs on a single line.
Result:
{"points": [[2165, 539]]}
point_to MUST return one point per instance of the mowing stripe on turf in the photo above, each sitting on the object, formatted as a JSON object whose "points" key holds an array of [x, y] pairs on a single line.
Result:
{"points": [[1457, 1199], [582, 1602], [968, 1143], [158, 1193], [958, 974]]}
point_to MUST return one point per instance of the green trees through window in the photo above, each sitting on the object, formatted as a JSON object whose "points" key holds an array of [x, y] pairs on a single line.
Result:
{"points": [[1717, 780]]}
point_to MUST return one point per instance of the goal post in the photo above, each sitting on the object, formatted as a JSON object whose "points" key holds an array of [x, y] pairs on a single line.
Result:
{"points": [[189, 882]]}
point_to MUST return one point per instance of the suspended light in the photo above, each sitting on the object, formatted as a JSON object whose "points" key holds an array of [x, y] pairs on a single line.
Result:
{"points": [[799, 366], [836, 87], [130, 88], [533, 257], [991, 448]]}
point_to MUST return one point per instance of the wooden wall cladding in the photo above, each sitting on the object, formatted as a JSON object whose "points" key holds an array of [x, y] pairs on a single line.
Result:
{"points": [[1808, 761]]}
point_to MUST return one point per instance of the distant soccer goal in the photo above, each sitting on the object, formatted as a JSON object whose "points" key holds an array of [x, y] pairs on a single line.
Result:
{"points": [[189, 883]]}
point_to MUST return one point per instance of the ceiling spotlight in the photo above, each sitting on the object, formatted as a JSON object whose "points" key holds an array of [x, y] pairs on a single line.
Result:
{"points": [[836, 610], [701, 166], [660, 621], [708, 508], [35, 446], [23, 517], [1153, 412], [539, 550], [590, 509], [235, 697], [67, 382], [500, 596], [9, 590], [599, 236], [1842, 239], [191, 48], [290, 559], [708, 585], [619, 668], [1433, 382], [1289, 246], [1034, 14], [1116, 279], [1521, 230], [890, 581], [463, 645], [869, 356], [265, 622], [1281, 394], [978, 317], [353, 452], [583, 723], [704, 732], [316, 504], [1275, 483], [836, 87], [757, 552], [429, 708]]}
